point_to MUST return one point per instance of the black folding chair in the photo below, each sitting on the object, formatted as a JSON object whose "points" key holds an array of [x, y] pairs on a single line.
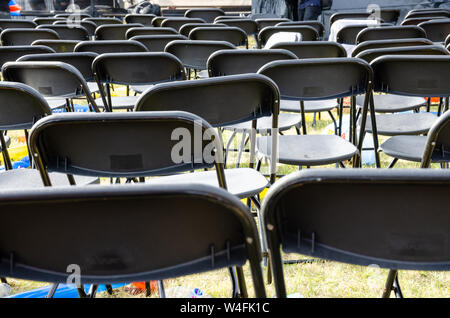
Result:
{"points": [[194, 54], [320, 28], [308, 33], [150, 31], [17, 24], [405, 228], [206, 14], [177, 23], [141, 70], [114, 46], [144, 19], [59, 46], [75, 15], [157, 43], [188, 27], [417, 21], [437, 30], [328, 78], [103, 21], [12, 53], [26, 36], [156, 22], [394, 32], [114, 31], [47, 20], [266, 22], [233, 35], [349, 15], [67, 32], [381, 44], [249, 26], [348, 34], [431, 13], [149, 157], [88, 25], [422, 76]]}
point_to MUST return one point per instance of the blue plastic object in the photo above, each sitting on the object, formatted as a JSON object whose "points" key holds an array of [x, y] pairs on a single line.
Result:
{"points": [[63, 291]]}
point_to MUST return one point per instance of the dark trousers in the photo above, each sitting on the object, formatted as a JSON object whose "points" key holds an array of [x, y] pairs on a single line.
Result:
{"points": [[309, 13]]}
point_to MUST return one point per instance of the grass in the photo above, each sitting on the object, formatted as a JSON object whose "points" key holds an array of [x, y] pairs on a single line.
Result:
{"points": [[313, 279]]}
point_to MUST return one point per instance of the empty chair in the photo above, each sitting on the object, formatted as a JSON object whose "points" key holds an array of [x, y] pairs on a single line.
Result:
{"points": [[149, 31], [320, 28], [417, 21], [88, 25], [380, 44], [137, 69], [144, 19], [188, 27], [265, 22], [16, 24], [308, 33], [434, 13], [103, 20], [157, 43], [67, 32], [60, 46], [177, 23], [114, 31], [394, 32], [313, 49], [115, 46], [436, 30], [12, 53], [349, 15], [405, 228], [156, 22], [347, 35], [206, 14], [233, 35], [47, 20], [194, 54], [73, 15], [26, 36], [247, 25], [230, 17]]}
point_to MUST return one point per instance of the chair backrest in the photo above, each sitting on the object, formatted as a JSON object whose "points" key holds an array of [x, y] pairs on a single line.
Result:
{"points": [[82, 61], [26, 36], [149, 31], [405, 228], [217, 232], [75, 15], [266, 22], [394, 32], [320, 28], [249, 26], [313, 49], [137, 68], [233, 35], [436, 30], [195, 54], [349, 15], [435, 13], [144, 19], [51, 79], [114, 31], [207, 14], [60, 46], [102, 21], [417, 21], [88, 25], [229, 17], [233, 62], [21, 106], [17, 24], [119, 46], [47, 20], [156, 22], [370, 55], [12, 53], [390, 15], [188, 27], [67, 32], [380, 44], [308, 33], [177, 23], [157, 43], [348, 34]]}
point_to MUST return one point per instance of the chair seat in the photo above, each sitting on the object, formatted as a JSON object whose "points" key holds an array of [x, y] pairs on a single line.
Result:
{"points": [[119, 102], [203, 74], [285, 122], [392, 103], [308, 150], [402, 124], [242, 182], [315, 106], [7, 141], [31, 178], [140, 88], [405, 147], [55, 103]]}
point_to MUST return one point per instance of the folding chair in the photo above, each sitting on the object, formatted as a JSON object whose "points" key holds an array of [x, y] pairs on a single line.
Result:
{"points": [[59, 46], [194, 54], [157, 43], [347, 35], [114, 46], [187, 28], [47, 20], [434, 13], [24, 36], [88, 25], [437, 30], [177, 23], [233, 35], [421, 76], [103, 21], [217, 232], [394, 32], [144, 19], [12, 53], [308, 33], [150, 156], [150, 31], [17, 24], [320, 28], [349, 15], [425, 10], [78, 15], [141, 70], [114, 31], [249, 26], [67, 32], [404, 229], [156, 22], [51, 79], [206, 14], [329, 78], [266, 22], [417, 21], [381, 44]]}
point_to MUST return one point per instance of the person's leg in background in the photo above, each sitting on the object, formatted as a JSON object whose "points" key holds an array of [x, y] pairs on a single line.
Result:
{"points": [[301, 14], [312, 13]]}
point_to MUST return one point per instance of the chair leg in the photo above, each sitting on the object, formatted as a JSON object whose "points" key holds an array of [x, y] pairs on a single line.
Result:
{"points": [[265, 253], [393, 162], [81, 292], [389, 285], [52, 291], [109, 289], [239, 289], [93, 291], [162, 292], [397, 289], [148, 289]]}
